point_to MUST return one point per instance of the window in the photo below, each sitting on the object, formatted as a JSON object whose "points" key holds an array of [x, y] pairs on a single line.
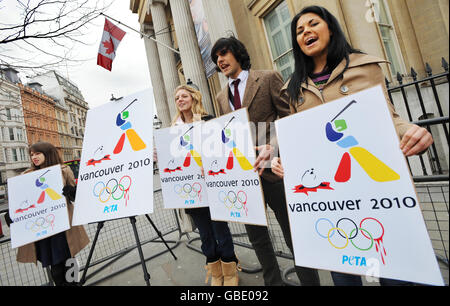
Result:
{"points": [[19, 134], [388, 36], [278, 28], [11, 133], [22, 154], [8, 114], [14, 155]]}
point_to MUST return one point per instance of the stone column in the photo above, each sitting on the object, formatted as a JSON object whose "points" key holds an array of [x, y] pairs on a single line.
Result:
{"points": [[156, 76], [191, 58], [220, 23], [166, 56]]}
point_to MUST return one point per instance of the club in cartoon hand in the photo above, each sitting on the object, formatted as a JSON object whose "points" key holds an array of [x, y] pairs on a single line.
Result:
{"points": [[46, 189], [185, 142], [375, 168], [227, 139], [135, 141]]}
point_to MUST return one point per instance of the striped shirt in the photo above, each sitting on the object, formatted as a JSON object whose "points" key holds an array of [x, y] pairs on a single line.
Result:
{"points": [[321, 78]]}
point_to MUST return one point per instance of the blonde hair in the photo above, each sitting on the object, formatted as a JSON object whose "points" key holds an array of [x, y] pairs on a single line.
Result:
{"points": [[197, 106]]}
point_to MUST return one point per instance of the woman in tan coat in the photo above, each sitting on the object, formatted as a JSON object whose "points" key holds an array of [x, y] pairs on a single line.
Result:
{"points": [[54, 251], [328, 68]]}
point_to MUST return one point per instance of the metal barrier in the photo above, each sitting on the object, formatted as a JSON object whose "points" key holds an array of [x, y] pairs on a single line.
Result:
{"points": [[425, 103], [117, 240]]}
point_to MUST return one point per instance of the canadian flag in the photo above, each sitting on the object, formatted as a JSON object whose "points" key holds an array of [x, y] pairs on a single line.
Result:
{"points": [[111, 39]]}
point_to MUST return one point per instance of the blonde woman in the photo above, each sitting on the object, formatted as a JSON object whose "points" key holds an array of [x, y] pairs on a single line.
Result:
{"points": [[217, 243]]}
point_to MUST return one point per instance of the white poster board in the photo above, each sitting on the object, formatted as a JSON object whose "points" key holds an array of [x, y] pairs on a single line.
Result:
{"points": [[351, 200], [36, 206], [228, 154], [179, 163], [116, 169]]}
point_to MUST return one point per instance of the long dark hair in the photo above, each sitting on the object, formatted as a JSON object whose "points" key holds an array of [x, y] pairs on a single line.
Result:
{"points": [[338, 49], [236, 47], [51, 154]]}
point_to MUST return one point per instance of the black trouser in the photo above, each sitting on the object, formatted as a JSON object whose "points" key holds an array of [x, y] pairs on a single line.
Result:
{"points": [[259, 237], [58, 273], [217, 242]]}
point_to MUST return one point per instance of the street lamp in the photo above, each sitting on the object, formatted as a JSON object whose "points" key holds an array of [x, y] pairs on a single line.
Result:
{"points": [[189, 83], [157, 123]]}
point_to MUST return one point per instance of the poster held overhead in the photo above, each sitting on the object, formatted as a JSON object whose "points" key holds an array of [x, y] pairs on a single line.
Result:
{"points": [[116, 169], [351, 200], [36, 206]]}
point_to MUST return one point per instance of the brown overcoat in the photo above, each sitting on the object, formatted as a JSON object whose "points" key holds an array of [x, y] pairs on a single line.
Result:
{"points": [[265, 103], [363, 72], [76, 236]]}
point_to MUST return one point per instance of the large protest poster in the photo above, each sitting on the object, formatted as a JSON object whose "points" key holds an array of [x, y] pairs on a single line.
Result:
{"points": [[36, 206], [228, 154], [180, 164], [116, 168], [351, 200]]}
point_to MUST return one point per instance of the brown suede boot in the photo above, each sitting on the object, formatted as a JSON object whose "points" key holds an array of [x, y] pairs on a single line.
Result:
{"points": [[230, 273], [215, 270]]}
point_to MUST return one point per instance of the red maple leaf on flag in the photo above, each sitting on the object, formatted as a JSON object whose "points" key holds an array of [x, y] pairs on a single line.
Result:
{"points": [[109, 46]]}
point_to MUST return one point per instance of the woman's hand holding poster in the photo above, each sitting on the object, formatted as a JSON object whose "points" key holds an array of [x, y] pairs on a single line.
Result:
{"points": [[116, 169], [180, 164], [350, 197], [36, 206], [228, 155]]}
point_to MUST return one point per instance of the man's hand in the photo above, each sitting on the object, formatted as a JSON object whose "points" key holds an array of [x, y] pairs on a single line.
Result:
{"points": [[415, 141], [265, 154], [277, 168]]}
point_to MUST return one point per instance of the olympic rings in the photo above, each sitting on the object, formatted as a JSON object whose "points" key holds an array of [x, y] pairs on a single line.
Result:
{"points": [[104, 192], [188, 190], [353, 233], [230, 199], [40, 223], [346, 237]]}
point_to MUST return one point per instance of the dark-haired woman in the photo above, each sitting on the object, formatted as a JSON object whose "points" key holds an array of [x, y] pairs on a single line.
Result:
{"points": [[54, 251], [328, 68]]}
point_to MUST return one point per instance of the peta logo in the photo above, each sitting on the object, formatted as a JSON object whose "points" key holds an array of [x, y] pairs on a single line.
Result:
{"points": [[354, 261]]}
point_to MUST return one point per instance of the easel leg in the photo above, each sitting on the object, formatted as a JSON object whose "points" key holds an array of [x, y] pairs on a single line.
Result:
{"points": [[160, 236], [141, 254], [91, 252]]}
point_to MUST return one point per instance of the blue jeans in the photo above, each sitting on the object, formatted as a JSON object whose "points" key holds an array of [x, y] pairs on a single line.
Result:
{"points": [[217, 242]]}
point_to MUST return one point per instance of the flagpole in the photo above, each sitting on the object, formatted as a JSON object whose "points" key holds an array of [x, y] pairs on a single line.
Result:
{"points": [[148, 36]]}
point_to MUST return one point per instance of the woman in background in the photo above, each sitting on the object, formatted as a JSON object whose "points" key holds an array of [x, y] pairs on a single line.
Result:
{"points": [[54, 251]]}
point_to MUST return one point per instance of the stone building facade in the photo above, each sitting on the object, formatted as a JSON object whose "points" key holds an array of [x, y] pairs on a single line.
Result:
{"points": [[71, 109], [14, 157], [39, 114]]}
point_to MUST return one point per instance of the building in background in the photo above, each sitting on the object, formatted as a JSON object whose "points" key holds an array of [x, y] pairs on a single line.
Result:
{"points": [[407, 33], [40, 116], [14, 157], [71, 109]]}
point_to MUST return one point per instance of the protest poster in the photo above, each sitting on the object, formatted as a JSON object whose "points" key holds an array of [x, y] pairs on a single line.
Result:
{"points": [[180, 165], [228, 154], [351, 200], [116, 169], [36, 206]]}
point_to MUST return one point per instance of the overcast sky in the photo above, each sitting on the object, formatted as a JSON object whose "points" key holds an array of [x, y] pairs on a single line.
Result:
{"points": [[129, 72]]}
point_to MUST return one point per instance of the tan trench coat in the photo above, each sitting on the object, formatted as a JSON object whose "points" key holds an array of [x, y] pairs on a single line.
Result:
{"points": [[76, 236], [363, 72]]}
